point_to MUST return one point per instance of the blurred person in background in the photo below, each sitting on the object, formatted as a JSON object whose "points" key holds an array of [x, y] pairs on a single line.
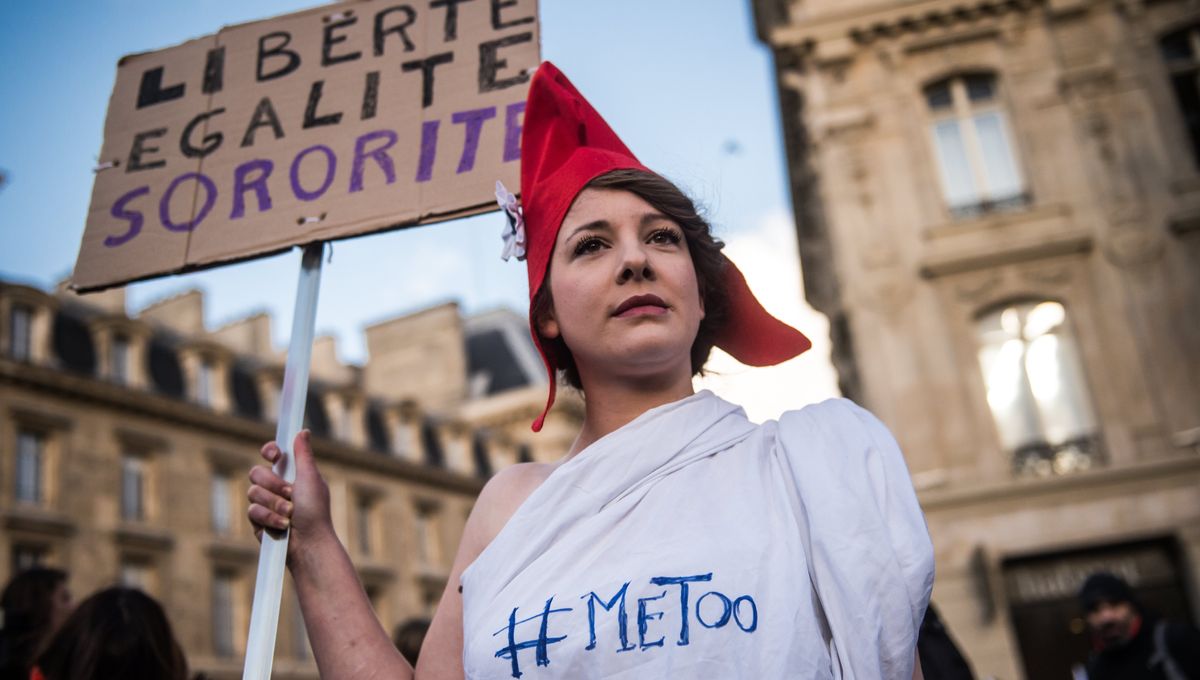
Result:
{"points": [[409, 637], [116, 633], [1130, 643], [940, 657], [35, 603]]}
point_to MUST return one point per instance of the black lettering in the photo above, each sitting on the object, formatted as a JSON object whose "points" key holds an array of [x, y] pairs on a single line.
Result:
{"points": [[311, 119], [450, 26], [139, 149], [382, 33], [264, 114], [214, 71], [426, 66], [370, 95], [151, 90], [211, 141], [498, 23], [277, 50], [327, 56], [490, 62]]}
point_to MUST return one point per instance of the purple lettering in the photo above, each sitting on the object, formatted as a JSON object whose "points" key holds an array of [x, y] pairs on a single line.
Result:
{"points": [[330, 169], [429, 135], [210, 198], [382, 159], [512, 131], [474, 123], [259, 184], [134, 216]]}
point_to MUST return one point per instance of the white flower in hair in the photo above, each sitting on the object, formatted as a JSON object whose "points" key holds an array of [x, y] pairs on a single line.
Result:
{"points": [[514, 231]]}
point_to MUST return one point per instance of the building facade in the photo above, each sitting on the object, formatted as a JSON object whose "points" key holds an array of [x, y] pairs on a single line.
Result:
{"points": [[125, 445], [998, 207]]}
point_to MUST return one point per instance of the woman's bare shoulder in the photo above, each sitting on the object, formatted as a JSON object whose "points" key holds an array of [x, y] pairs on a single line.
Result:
{"points": [[504, 493]]}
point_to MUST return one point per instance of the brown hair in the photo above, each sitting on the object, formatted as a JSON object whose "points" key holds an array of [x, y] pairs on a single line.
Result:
{"points": [[27, 602], [115, 633], [704, 250]]}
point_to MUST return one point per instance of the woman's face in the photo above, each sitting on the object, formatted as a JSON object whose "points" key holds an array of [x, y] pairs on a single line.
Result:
{"points": [[61, 605], [625, 296]]}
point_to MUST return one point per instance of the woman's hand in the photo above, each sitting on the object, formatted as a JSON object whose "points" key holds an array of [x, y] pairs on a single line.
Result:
{"points": [[302, 506]]}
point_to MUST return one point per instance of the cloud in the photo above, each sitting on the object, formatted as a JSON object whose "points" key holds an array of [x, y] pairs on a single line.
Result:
{"points": [[768, 256]]}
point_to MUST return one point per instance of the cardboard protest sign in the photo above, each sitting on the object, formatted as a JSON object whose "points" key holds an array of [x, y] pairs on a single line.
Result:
{"points": [[337, 121]]}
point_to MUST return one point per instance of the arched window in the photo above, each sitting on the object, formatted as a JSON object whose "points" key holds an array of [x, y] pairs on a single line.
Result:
{"points": [[163, 366], [377, 429], [316, 418], [1036, 389], [479, 451], [432, 443], [1181, 52], [974, 149], [246, 402], [73, 344]]}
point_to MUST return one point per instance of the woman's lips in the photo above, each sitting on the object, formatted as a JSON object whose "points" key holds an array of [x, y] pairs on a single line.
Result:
{"points": [[641, 305]]}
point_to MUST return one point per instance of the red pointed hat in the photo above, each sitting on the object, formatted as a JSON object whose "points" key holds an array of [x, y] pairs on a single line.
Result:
{"points": [[564, 145]]}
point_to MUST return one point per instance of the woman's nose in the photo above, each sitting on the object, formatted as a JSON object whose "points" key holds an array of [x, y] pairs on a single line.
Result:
{"points": [[636, 267]]}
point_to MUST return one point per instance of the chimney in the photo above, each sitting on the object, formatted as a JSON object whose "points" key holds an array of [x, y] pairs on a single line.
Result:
{"points": [[420, 356], [248, 336], [182, 313]]}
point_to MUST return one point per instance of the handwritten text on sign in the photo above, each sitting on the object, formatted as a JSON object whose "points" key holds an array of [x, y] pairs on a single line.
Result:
{"points": [[323, 124]]}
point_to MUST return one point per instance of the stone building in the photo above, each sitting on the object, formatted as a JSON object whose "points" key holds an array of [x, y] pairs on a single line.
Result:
{"points": [[997, 205], [125, 444]]}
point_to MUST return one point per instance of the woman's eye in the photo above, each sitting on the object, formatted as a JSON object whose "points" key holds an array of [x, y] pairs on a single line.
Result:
{"points": [[665, 236], [588, 245]]}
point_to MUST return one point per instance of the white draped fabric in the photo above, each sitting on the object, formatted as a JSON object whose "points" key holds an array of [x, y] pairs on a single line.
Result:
{"points": [[693, 543]]}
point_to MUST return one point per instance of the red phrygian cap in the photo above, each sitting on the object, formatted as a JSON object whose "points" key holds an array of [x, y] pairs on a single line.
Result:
{"points": [[564, 145]]}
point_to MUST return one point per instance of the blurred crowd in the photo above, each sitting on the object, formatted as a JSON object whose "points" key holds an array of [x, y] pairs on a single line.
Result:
{"points": [[115, 633], [121, 632]]}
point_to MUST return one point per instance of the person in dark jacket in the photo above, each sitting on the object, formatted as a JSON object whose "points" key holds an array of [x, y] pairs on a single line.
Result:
{"points": [[1128, 642], [940, 658], [34, 604]]}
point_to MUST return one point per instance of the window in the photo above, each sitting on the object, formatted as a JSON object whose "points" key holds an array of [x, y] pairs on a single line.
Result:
{"points": [[133, 488], [19, 330], [31, 464], [137, 572], [432, 443], [221, 501], [204, 383], [118, 359], [72, 342], [364, 523], [425, 524], [223, 590], [1181, 52], [28, 555], [978, 168], [1036, 390]]}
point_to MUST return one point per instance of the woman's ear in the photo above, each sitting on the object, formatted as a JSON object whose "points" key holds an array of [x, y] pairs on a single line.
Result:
{"points": [[547, 325]]}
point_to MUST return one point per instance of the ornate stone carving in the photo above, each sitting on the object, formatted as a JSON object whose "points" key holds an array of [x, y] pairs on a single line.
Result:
{"points": [[1133, 248], [975, 287]]}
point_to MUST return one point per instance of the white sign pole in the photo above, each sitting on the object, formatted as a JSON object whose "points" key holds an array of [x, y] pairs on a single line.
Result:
{"points": [[272, 558]]}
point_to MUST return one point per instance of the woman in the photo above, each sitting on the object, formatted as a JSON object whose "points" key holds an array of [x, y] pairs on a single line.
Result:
{"points": [[675, 538], [35, 603], [115, 633]]}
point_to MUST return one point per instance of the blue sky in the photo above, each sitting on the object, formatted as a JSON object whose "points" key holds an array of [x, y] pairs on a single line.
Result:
{"points": [[685, 83]]}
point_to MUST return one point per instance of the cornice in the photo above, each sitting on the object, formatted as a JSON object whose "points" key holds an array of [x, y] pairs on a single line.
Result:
{"points": [[92, 391], [886, 20], [948, 500]]}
